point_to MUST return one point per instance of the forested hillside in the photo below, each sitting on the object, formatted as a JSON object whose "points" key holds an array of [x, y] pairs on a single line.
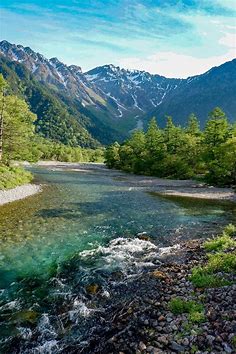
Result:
{"points": [[58, 116]]}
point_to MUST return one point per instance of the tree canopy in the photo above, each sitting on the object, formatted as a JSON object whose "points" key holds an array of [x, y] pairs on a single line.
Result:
{"points": [[181, 152]]}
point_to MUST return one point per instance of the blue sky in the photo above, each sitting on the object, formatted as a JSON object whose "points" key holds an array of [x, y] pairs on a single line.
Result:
{"points": [[175, 38]]}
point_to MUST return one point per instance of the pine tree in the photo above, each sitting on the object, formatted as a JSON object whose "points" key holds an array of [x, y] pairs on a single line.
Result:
{"points": [[193, 127]]}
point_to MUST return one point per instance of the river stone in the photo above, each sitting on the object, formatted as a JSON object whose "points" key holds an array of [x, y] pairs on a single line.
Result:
{"points": [[177, 347], [142, 346]]}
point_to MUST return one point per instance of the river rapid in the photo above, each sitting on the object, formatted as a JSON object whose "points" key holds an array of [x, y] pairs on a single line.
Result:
{"points": [[66, 252]]}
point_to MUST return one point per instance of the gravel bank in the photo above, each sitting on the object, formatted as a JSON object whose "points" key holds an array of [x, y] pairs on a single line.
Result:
{"points": [[21, 192]]}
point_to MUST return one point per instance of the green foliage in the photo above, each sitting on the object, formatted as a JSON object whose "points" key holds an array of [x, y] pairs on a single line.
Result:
{"points": [[179, 306], [112, 156], [221, 262], [230, 230], [11, 177], [220, 243], [18, 130], [175, 152], [49, 150], [197, 317], [233, 341], [194, 309], [201, 279]]}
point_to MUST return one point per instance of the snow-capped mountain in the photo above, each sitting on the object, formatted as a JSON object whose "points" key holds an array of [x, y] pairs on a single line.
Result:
{"points": [[116, 92], [114, 95], [134, 91], [55, 73]]}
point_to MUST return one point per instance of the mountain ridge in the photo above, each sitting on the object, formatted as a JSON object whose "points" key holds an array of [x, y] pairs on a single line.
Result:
{"points": [[122, 99]]}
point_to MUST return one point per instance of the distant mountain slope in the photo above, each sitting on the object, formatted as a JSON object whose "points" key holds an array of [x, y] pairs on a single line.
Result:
{"points": [[135, 92], [59, 117], [54, 121], [201, 94], [109, 102]]}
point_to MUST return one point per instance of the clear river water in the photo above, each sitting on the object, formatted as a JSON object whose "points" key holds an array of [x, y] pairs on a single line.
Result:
{"points": [[92, 219]]}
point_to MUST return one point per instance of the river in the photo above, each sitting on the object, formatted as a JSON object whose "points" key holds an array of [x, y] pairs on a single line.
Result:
{"points": [[83, 227]]}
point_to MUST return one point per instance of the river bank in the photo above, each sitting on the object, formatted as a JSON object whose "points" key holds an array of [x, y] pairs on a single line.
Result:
{"points": [[155, 308], [18, 193], [165, 187], [168, 314]]}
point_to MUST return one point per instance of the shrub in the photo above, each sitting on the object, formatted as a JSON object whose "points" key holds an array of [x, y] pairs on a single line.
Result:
{"points": [[178, 306], [230, 230], [11, 177], [197, 317], [202, 279], [220, 243], [221, 262]]}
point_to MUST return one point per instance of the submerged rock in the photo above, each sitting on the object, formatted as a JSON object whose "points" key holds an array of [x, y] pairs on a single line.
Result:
{"points": [[92, 289]]}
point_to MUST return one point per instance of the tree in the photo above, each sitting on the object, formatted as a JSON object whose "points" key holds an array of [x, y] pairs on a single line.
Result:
{"points": [[18, 130], [173, 135], [112, 155], [217, 128], [193, 127], [222, 170], [155, 147], [3, 86]]}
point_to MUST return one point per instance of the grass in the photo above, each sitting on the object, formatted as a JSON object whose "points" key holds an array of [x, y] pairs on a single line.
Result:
{"points": [[223, 241], [220, 243], [178, 306], [233, 340], [194, 309], [11, 177], [219, 261], [201, 279]]}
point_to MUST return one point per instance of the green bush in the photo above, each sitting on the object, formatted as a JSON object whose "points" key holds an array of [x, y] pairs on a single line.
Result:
{"points": [[201, 278], [221, 262], [230, 230], [197, 317], [220, 243], [11, 177], [178, 306], [195, 310]]}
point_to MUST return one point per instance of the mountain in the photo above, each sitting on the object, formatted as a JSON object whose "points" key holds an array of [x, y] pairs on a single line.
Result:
{"points": [[109, 101], [201, 94], [142, 95], [59, 111], [135, 92], [53, 119]]}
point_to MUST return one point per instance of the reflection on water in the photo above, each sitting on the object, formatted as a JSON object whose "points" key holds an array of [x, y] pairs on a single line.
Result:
{"points": [[81, 229]]}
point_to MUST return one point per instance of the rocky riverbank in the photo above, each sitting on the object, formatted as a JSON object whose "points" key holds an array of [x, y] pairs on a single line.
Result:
{"points": [[155, 319], [20, 192], [174, 300]]}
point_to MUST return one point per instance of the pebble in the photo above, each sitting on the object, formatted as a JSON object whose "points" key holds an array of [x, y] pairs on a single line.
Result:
{"points": [[142, 346]]}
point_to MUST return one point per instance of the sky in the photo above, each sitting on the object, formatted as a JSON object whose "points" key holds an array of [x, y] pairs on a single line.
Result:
{"points": [[174, 38]]}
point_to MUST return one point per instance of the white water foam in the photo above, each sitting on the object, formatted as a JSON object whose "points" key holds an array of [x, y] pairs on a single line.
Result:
{"points": [[125, 253], [49, 347], [79, 308]]}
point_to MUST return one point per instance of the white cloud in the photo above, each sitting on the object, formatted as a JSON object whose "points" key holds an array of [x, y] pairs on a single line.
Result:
{"points": [[228, 40], [176, 65]]}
